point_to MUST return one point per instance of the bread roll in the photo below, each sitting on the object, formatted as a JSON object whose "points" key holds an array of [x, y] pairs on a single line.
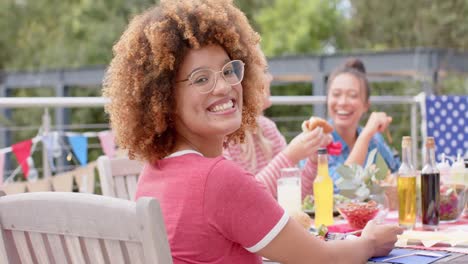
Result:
{"points": [[314, 122]]}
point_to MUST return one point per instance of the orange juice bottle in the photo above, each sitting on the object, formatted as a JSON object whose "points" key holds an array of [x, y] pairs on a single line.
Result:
{"points": [[323, 192]]}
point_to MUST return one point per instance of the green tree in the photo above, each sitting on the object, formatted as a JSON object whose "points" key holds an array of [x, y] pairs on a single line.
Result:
{"points": [[405, 24], [46, 34], [300, 26], [251, 8]]}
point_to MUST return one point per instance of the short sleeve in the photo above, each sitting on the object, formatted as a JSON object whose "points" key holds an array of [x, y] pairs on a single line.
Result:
{"points": [[240, 208]]}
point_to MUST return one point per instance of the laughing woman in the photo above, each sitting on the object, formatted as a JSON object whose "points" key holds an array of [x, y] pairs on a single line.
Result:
{"points": [[347, 101], [185, 76]]}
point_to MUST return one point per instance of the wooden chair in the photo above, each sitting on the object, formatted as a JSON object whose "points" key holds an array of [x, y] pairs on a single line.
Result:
{"points": [[119, 176], [63, 227]]}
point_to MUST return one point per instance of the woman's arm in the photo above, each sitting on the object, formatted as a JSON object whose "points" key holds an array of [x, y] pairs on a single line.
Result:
{"points": [[378, 122], [309, 172], [250, 216], [295, 245], [304, 145]]}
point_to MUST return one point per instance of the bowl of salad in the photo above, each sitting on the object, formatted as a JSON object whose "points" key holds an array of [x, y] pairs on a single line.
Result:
{"points": [[308, 205]]}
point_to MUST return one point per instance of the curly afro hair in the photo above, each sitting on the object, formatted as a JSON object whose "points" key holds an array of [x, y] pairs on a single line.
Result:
{"points": [[141, 76]]}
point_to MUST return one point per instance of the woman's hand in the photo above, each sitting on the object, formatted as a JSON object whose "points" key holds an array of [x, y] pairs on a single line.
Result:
{"points": [[377, 122], [383, 237], [306, 144]]}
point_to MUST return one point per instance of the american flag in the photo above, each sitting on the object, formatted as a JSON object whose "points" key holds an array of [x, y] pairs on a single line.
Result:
{"points": [[447, 122]]}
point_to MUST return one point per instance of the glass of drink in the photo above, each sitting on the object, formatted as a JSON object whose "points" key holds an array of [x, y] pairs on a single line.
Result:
{"points": [[289, 189]]}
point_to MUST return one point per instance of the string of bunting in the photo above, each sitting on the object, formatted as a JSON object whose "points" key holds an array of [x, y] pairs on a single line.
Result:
{"points": [[54, 145]]}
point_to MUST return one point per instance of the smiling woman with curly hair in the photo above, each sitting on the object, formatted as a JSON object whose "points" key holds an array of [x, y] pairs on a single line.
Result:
{"points": [[141, 77], [187, 78]]}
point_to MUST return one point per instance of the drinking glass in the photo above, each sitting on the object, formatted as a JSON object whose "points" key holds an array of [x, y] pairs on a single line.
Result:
{"points": [[289, 189]]}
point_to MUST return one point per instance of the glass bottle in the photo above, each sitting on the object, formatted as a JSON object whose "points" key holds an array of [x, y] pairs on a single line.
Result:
{"points": [[430, 188], [323, 191], [406, 186]]}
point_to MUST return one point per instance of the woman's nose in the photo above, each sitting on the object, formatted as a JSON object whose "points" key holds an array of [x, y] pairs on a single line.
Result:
{"points": [[342, 99], [221, 85]]}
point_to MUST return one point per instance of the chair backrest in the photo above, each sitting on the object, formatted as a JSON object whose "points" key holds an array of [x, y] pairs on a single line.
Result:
{"points": [[63, 227], [119, 176]]}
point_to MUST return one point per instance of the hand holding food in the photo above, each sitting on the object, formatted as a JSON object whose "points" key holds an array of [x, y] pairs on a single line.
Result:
{"points": [[305, 145], [315, 122], [334, 148]]}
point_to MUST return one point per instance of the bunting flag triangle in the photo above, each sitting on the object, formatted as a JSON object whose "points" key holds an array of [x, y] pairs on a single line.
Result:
{"points": [[107, 143], [22, 151], [2, 164], [79, 145], [47, 141]]}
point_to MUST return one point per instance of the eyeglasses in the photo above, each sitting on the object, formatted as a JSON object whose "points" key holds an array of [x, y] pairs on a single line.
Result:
{"points": [[204, 80]]}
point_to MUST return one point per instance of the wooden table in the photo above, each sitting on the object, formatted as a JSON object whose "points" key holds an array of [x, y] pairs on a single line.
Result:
{"points": [[453, 258]]}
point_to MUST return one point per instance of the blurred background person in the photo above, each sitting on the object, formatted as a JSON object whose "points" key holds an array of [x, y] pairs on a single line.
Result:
{"points": [[347, 101]]}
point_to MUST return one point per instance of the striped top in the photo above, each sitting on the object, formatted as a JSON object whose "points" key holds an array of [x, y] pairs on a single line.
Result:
{"points": [[267, 170]]}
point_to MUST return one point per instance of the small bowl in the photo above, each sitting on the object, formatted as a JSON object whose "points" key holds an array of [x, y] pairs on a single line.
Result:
{"points": [[452, 202], [359, 213]]}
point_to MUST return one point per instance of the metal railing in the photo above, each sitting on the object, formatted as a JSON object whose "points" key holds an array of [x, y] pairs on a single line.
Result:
{"points": [[79, 102]]}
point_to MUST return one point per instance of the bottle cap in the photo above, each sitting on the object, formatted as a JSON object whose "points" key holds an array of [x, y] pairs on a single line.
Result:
{"points": [[406, 142], [430, 143], [322, 151]]}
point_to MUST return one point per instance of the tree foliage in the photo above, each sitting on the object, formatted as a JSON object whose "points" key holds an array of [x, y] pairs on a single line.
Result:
{"points": [[404, 24], [45, 34], [54, 34], [300, 26]]}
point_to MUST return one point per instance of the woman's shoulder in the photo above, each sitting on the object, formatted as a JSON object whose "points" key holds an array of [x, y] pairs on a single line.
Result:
{"points": [[228, 172], [265, 122]]}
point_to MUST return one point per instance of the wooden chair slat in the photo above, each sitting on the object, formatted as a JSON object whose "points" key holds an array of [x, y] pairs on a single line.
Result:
{"points": [[121, 188], [74, 249], [114, 252], [93, 248], [58, 251], [131, 186], [135, 252], [39, 247], [22, 246], [3, 250]]}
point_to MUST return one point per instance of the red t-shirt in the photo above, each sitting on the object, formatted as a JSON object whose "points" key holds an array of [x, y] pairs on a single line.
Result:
{"points": [[214, 211]]}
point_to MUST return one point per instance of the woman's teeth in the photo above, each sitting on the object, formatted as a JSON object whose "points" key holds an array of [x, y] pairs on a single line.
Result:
{"points": [[222, 107], [340, 112]]}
